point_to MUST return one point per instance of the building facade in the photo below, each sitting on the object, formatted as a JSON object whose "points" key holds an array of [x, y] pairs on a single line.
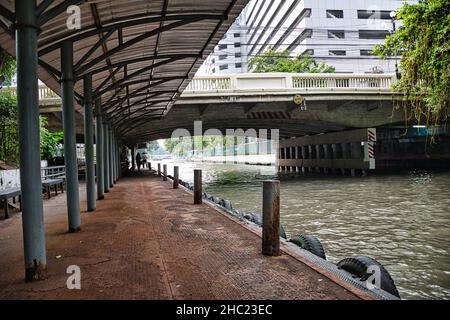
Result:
{"points": [[340, 33]]}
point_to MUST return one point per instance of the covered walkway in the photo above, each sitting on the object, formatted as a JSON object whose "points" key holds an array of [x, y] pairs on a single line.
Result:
{"points": [[148, 241]]}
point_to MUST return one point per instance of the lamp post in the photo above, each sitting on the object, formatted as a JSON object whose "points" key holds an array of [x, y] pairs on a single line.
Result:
{"points": [[393, 15]]}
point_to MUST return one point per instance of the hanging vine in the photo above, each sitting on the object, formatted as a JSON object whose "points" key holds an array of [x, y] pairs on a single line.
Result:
{"points": [[424, 43]]}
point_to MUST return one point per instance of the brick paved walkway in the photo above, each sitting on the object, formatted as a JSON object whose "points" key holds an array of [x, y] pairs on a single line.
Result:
{"points": [[147, 241]]}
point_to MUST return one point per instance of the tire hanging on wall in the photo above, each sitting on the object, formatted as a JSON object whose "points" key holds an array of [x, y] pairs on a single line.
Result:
{"points": [[359, 265], [309, 243]]}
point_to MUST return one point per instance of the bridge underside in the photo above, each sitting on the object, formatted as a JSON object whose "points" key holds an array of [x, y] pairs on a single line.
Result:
{"points": [[314, 117]]}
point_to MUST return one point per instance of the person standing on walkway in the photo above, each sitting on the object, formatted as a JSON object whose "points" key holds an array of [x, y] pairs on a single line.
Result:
{"points": [[138, 161]]}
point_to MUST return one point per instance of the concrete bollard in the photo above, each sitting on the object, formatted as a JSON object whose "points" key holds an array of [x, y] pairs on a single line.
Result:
{"points": [[271, 218], [197, 186], [164, 172], [175, 177], [159, 169]]}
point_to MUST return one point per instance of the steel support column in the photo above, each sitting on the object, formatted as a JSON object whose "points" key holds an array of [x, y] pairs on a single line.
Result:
{"points": [[30, 165], [133, 159], [89, 143], [114, 159], [99, 144], [110, 156], [70, 148], [106, 156]]}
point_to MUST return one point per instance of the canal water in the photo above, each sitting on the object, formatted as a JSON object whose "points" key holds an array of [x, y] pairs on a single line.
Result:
{"points": [[402, 220]]}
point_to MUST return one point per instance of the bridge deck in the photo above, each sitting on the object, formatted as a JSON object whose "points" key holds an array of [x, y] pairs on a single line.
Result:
{"points": [[149, 242]]}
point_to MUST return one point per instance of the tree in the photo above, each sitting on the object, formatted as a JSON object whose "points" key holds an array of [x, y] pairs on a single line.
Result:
{"points": [[153, 146], [49, 140], [7, 66], [424, 42], [280, 61], [9, 133]]}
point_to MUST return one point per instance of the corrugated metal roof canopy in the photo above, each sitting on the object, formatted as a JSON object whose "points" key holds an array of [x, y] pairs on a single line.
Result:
{"points": [[141, 54]]}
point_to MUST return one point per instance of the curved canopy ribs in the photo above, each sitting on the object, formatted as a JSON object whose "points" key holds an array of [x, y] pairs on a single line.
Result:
{"points": [[141, 54]]}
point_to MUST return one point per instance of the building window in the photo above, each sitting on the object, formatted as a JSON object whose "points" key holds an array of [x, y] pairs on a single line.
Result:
{"points": [[366, 53], [237, 55], [335, 14], [236, 35], [238, 65], [223, 46], [223, 67], [337, 53], [237, 45], [374, 14], [336, 34], [222, 57], [213, 61], [373, 34], [213, 70]]}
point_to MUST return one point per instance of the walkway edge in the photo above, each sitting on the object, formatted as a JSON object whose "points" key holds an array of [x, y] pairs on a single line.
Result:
{"points": [[287, 249]]}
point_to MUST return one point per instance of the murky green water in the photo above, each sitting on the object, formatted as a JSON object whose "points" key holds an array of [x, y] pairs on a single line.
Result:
{"points": [[401, 220]]}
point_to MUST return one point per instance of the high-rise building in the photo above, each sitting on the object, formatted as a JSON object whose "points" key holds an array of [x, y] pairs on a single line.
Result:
{"points": [[341, 33]]}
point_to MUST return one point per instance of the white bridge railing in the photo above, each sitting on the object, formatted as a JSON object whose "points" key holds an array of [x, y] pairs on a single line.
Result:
{"points": [[269, 82], [287, 82], [45, 93]]}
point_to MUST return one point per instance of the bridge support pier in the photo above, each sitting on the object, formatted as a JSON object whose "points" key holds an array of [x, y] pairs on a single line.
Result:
{"points": [[339, 151], [70, 147], [89, 143], [99, 145], [30, 164]]}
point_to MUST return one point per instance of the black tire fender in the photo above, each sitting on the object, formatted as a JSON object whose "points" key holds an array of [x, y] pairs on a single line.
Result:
{"points": [[309, 243], [359, 265]]}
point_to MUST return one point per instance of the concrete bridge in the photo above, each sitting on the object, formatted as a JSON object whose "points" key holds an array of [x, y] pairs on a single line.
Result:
{"points": [[296, 104]]}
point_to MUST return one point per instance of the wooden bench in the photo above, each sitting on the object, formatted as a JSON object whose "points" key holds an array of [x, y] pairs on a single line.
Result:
{"points": [[48, 183], [10, 193]]}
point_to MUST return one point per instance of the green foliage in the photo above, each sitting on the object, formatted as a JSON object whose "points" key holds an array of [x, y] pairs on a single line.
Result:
{"points": [[49, 140], [280, 61], [9, 133], [153, 146], [7, 66], [424, 42]]}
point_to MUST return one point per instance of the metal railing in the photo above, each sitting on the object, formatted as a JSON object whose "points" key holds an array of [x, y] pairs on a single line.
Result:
{"points": [[53, 172]]}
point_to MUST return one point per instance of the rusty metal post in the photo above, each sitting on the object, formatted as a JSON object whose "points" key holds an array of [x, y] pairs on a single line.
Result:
{"points": [[159, 169], [271, 218], [175, 177], [164, 172], [197, 186]]}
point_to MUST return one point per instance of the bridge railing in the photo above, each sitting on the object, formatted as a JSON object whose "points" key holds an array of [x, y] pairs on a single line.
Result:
{"points": [[257, 82], [289, 81], [45, 93]]}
